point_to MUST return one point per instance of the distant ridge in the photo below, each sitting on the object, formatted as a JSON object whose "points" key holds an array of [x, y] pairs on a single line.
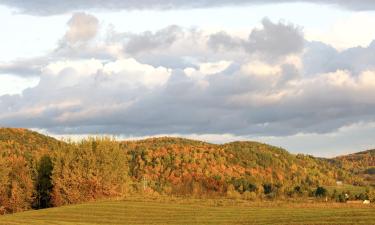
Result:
{"points": [[28, 137]]}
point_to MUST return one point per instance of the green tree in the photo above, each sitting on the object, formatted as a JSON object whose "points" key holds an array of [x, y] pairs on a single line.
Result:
{"points": [[44, 182], [321, 192]]}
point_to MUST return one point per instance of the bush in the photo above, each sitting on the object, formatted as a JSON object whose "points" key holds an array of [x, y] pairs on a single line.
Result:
{"points": [[268, 188], [232, 193], [247, 195]]}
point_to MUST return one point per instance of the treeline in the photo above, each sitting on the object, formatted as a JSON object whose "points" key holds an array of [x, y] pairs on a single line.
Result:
{"points": [[38, 172]]}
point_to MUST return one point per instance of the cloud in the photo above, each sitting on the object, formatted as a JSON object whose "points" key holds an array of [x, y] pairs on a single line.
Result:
{"points": [[322, 58], [130, 98], [191, 81], [149, 41], [275, 39], [223, 41], [174, 47], [82, 27], [23, 67], [272, 41], [50, 7], [351, 31]]}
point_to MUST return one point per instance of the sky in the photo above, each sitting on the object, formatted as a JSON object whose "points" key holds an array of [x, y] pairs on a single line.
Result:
{"points": [[295, 74]]}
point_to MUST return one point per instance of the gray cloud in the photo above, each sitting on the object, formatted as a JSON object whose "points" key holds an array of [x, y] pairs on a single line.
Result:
{"points": [[185, 81], [272, 41], [23, 67], [275, 39], [223, 41], [50, 7], [322, 58], [120, 101], [149, 41]]}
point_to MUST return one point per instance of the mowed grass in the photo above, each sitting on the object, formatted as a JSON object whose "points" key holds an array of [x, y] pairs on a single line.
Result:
{"points": [[196, 212]]}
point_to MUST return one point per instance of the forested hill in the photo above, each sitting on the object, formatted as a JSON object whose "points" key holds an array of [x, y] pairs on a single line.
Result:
{"points": [[24, 139], [361, 164], [245, 165], [363, 159], [37, 171]]}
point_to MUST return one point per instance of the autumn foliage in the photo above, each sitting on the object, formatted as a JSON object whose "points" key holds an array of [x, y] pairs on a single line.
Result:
{"points": [[37, 171], [89, 170]]}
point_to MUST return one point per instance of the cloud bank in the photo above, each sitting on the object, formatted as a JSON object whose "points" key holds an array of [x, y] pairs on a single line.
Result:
{"points": [[190, 81], [50, 7]]}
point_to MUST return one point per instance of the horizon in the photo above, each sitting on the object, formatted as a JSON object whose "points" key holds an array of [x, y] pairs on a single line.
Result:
{"points": [[267, 71]]}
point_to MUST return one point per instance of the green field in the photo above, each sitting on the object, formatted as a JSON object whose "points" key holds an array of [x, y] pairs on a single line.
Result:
{"points": [[346, 188], [196, 212]]}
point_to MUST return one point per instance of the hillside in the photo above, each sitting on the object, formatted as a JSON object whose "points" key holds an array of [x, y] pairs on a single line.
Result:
{"points": [[38, 171], [360, 159], [26, 140], [361, 164], [194, 167]]}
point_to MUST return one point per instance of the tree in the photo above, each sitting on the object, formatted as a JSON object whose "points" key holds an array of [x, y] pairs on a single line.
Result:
{"points": [[44, 182], [93, 169], [321, 192], [16, 189]]}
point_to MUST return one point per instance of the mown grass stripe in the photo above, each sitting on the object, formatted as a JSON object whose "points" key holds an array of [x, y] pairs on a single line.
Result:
{"points": [[157, 212]]}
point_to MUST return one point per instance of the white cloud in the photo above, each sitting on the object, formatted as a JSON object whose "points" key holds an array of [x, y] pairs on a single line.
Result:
{"points": [[81, 67], [82, 28], [346, 33], [131, 71], [261, 69]]}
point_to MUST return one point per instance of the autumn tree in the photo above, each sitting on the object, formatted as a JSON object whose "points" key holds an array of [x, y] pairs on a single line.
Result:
{"points": [[16, 186], [93, 169]]}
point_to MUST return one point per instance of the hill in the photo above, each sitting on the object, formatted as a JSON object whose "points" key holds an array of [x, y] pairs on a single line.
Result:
{"points": [[38, 171], [360, 159], [26, 140], [361, 164], [181, 166]]}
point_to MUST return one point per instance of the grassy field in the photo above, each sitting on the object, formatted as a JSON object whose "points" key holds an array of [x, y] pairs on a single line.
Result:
{"points": [[346, 188], [196, 212]]}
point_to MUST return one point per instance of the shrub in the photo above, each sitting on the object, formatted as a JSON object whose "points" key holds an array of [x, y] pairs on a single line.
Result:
{"points": [[247, 195]]}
